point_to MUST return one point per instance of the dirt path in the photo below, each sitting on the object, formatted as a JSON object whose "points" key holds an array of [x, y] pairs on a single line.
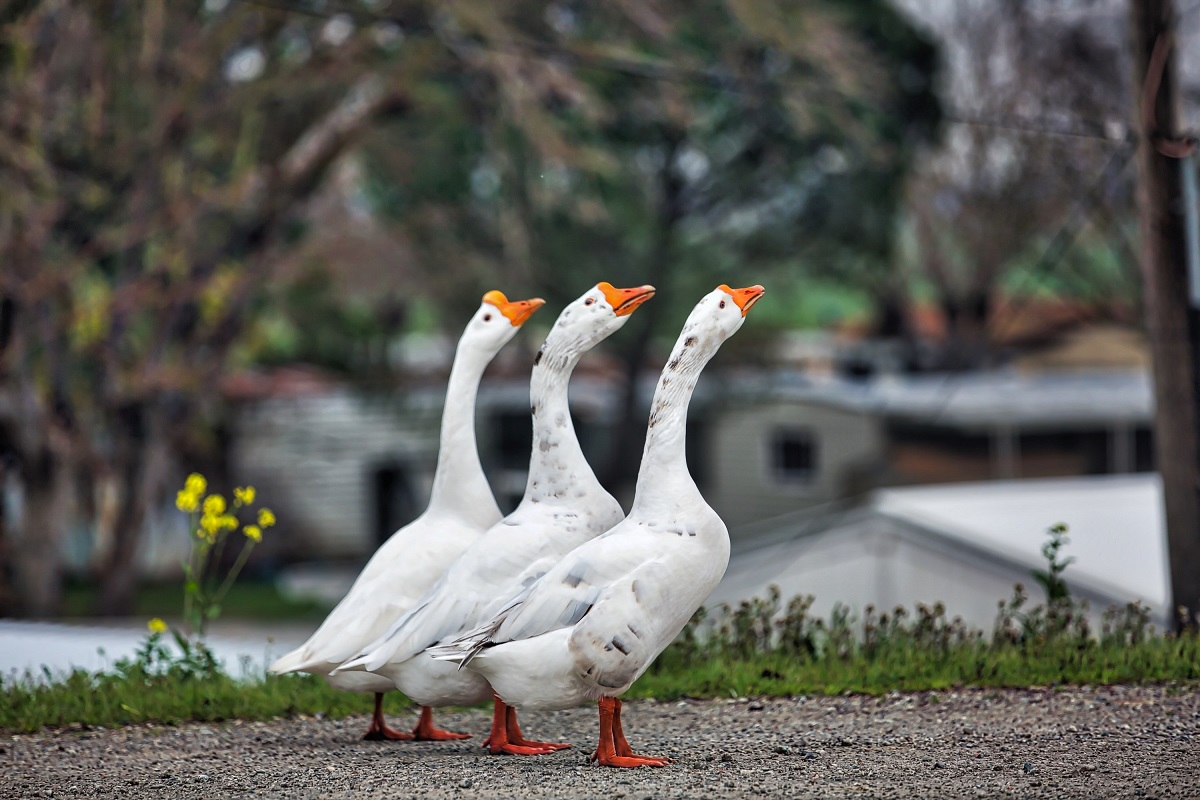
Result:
{"points": [[1106, 742]]}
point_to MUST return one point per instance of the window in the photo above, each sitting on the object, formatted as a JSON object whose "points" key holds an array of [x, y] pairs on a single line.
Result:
{"points": [[395, 505], [513, 433], [794, 456]]}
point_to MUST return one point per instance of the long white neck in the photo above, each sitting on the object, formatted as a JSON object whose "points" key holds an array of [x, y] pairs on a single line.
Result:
{"points": [[557, 469], [664, 475], [459, 485]]}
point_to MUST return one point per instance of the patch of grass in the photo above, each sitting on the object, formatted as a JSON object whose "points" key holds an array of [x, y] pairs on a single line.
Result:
{"points": [[105, 700], [904, 667], [760, 649], [247, 600]]}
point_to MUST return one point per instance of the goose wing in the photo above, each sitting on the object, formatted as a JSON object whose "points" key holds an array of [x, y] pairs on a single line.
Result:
{"points": [[564, 595], [478, 584]]}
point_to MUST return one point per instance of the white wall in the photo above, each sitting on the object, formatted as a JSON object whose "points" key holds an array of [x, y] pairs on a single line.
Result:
{"points": [[311, 458], [743, 485]]}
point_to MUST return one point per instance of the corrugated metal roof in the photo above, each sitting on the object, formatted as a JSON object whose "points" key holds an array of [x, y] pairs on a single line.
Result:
{"points": [[975, 399]]}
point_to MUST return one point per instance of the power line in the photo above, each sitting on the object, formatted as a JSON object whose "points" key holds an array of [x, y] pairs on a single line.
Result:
{"points": [[1025, 125]]}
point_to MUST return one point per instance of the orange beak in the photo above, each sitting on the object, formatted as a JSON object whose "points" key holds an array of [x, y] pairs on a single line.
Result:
{"points": [[744, 298], [517, 311], [624, 301]]}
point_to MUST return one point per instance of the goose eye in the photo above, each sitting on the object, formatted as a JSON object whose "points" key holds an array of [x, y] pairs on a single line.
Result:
{"points": [[487, 317], [722, 304], [588, 302]]}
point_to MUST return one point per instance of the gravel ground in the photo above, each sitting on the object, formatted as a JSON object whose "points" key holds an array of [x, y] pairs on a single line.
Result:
{"points": [[1085, 742]]}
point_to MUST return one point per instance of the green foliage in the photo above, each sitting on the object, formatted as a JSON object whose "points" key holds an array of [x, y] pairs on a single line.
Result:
{"points": [[311, 321], [756, 650], [115, 698], [1061, 616], [1051, 577]]}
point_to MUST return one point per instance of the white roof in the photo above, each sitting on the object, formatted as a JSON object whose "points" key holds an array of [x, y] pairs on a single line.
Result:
{"points": [[1058, 400], [1116, 526]]}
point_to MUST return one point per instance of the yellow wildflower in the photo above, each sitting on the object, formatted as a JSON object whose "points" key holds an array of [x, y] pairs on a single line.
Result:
{"points": [[244, 495], [229, 522], [187, 501], [253, 533], [214, 504], [266, 517], [195, 483], [211, 523], [156, 625]]}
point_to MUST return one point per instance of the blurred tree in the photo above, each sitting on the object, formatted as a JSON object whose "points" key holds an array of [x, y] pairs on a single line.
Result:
{"points": [[153, 155], [676, 144], [988, 195]]}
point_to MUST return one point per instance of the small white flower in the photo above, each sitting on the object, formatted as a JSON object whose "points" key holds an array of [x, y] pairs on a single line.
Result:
{"points": [[337, 30], [245, 65], [831, 160], [561, 18], [485, 181], [692, 164]]}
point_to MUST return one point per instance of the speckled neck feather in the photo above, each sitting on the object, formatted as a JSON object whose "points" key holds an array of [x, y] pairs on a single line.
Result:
{"points": [[556, 463], [664, 471]]}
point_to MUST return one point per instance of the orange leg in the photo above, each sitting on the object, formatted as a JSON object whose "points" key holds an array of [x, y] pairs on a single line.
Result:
{"points": [[516, 737], [425, 732], [379, 729], [502, 739], [614, 749]]}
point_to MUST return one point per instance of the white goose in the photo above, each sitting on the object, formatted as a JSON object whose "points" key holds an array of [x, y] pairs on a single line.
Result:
{"points": [[564, 505], [461, 507], [593, 624]]}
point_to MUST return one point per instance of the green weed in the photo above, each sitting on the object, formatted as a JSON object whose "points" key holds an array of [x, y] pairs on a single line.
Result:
{"points": [[763, 649]]}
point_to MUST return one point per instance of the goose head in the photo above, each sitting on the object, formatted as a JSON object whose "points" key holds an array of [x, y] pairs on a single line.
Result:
{"points": [[718, 316], [597, 314], [497, 321]]}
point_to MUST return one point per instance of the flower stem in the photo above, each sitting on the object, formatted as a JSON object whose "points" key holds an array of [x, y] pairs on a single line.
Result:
{"points": [[214, 559], [233, 572], [188, 593]]}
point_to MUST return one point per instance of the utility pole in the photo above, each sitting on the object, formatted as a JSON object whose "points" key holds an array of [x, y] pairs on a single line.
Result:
{"points": [[1172, 320]]}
